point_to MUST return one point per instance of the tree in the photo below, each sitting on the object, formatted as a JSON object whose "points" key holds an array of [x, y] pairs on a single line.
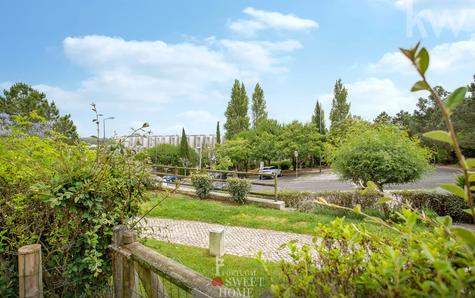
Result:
{"points": [[383, 118], [340, 106], [383, 154], [237, 119], [259, 112], [218, 134], [22, 100], [318, 118], [184, 148], [238, 150]]}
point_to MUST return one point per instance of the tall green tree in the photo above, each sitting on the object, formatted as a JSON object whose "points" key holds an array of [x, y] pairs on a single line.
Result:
{"points": [[184, 148], [218, 134], [21, 99], [340, 106], [318, 118], [383, 118], [258, 106], [237, 118]]}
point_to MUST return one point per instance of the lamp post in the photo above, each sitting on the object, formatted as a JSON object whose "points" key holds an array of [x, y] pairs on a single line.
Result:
{"points": [[104, 127], [199, 148], [296, 154]]}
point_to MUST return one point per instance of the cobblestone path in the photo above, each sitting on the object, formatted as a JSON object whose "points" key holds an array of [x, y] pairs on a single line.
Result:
{"points": [[237, 240]]}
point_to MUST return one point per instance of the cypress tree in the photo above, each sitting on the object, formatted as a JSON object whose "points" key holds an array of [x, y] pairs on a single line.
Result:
{"points": [[184, 148], [318, 118], [218, 134], [340, 106], [258, 106], [237, 119]]}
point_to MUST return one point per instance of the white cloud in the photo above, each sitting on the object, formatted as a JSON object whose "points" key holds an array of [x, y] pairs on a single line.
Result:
{"points": [[261, 19], [371, 96], [444, 58]]}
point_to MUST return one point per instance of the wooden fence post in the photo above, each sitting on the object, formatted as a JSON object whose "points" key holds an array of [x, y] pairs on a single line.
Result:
{"points": [[117, 260], [275, 187], [30, 271], [129, 280]]}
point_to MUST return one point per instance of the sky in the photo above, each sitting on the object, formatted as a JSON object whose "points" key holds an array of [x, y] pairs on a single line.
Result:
{"points": [[172, 63]]}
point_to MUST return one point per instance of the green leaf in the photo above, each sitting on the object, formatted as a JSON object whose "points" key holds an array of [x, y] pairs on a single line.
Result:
{"points": [[420, 85], [467, 211], [470, 162], [456, 97], [410, 53], [439, 135], [465, 235], [384, 200], [456, 190], [422, 61]]}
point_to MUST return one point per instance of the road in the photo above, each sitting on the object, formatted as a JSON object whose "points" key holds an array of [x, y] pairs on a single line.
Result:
{"points": [[330, 181]]}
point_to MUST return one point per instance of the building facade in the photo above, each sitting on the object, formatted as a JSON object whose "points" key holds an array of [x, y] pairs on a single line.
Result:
{"points": [[194, 141]]}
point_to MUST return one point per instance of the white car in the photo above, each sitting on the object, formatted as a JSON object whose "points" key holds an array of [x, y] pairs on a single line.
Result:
{"points": [[269, 171]]}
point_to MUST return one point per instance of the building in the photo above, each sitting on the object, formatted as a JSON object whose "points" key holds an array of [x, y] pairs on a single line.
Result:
{"points": [[195, 141]]}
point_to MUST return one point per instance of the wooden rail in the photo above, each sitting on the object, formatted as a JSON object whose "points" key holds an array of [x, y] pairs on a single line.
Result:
{"points": [[175, 172]]}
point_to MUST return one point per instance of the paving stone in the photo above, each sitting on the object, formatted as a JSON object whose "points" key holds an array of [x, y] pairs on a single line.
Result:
{"points": [[238, 241]]}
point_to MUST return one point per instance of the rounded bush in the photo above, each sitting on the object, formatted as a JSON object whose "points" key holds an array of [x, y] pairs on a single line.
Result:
{"points": [[383, 154], [239, 188], [203, 184]]}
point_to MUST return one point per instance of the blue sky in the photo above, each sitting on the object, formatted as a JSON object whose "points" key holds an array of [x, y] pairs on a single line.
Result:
{"points": [[172, 63]]}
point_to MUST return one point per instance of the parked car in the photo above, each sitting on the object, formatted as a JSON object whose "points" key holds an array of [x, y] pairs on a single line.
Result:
{"points": [[172, 179], [269, 171]]}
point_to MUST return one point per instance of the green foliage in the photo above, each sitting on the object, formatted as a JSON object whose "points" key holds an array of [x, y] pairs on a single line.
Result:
{"points": [[349, 261], [238, 151], [203, 185], [238, 188], [340, 106], [258, 106], [169, 154], [382, 154], [184, 148], [318, 118], [237, 119], [67, 198], [22, 100]]}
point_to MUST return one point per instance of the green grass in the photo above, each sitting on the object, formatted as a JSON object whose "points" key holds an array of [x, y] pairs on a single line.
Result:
{"points": [[235, 269], [187, 208]]}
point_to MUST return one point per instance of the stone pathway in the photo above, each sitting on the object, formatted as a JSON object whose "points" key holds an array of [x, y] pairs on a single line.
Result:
{"points": [[238, 241]]}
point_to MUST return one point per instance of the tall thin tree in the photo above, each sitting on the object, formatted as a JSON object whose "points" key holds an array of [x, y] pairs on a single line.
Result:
{"points": [[340, 106], [318, 118], [258, 105], [237, 118], [218, 134], [184, 147]]}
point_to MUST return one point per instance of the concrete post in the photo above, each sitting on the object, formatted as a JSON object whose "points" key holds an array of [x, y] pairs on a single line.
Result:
{"points": [[216, 242]]}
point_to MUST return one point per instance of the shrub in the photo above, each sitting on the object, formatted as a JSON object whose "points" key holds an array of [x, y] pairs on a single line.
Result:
{"points": [[67, 198], [441, 203], [349, 261], [383, 154], [203, 184], [239, 188]]}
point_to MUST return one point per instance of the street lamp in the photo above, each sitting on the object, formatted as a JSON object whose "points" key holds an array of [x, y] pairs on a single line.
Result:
{"points": [[104, 126], [296, 154]]}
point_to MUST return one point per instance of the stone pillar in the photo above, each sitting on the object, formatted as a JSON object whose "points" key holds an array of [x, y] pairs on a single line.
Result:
{"points": [[216, 242]]}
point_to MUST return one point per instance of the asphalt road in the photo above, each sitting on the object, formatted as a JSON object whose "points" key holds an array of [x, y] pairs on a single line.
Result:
{"points": [[330, 181]]}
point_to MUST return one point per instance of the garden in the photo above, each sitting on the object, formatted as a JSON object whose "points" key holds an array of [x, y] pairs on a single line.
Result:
{"points": [[67, 196]]}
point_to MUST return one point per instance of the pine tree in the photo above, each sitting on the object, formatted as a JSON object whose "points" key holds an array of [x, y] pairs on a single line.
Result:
{"points": [[218, 134], [237, 119], [318, 118], [340, 106], [258, 106], [383, 118], [184, 148]]}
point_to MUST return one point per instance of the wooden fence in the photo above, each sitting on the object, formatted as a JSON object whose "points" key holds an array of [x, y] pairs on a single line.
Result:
{"points": [[137, 271], [185, 173]]}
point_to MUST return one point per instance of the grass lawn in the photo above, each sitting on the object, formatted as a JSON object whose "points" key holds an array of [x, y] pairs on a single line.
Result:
{"points": [[235, 270], [187, 208]]}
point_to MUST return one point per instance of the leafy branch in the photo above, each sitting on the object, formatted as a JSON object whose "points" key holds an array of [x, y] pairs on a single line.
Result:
{"points": [[419, 57]]}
